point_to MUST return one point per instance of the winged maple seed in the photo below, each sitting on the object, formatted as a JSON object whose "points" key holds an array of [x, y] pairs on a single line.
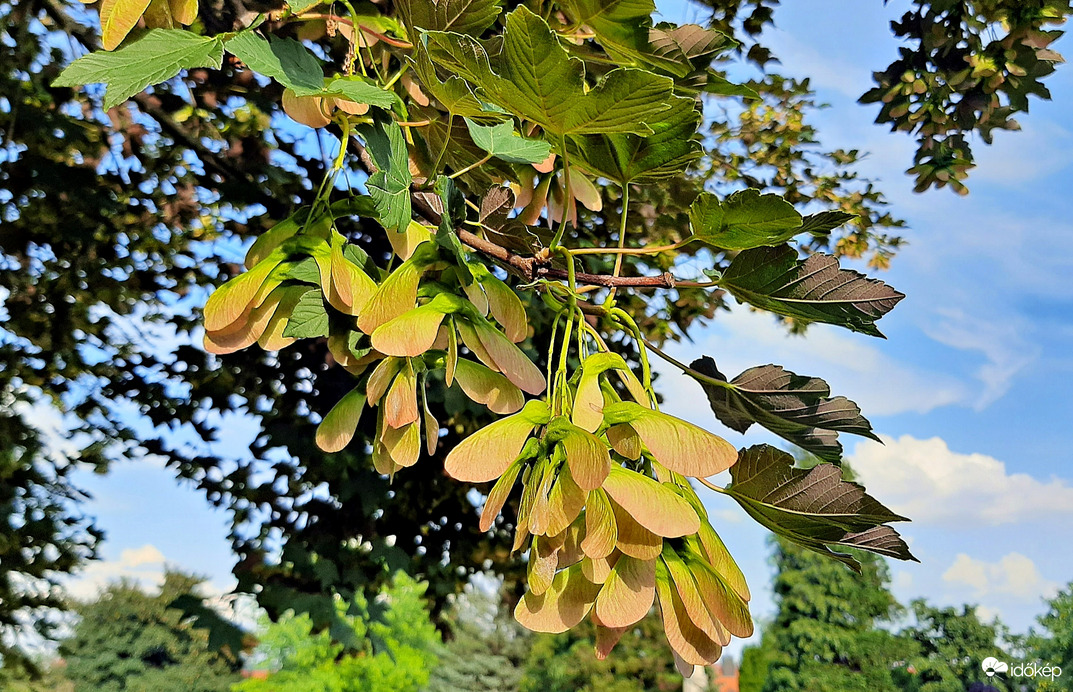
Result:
{"points": [[605, 507]]}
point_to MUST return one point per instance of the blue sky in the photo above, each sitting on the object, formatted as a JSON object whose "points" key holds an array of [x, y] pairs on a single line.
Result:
{"points": [[969, 391]]}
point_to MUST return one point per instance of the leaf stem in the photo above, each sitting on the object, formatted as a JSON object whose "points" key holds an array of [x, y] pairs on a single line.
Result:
{"points": [[621, 242], [566, 197], [470, 167], [631, 250], [699, 376], [646, 368]]}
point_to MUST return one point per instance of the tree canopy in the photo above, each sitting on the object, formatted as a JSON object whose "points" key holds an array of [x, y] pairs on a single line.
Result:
{"points": [[517, 197]]}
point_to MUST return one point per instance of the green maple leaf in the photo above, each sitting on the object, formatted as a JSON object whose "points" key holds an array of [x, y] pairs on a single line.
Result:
{"points": [[283, 59], [534, 77], [155, 57], [745, 220], [390, 185], [501, 142]]}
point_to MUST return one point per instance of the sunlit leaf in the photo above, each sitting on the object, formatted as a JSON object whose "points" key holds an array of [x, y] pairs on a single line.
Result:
{"points": [[625, 441], [403, 443], [118, 17], [389, 186], [414, 332], [589, 400], [536, 79], [745, 219], [309, 318], [338, 427], [506, 307], [628, 593], [688, 640], [498, 495], [565, 502], [351, 288], [509, 359], [680, 446], [601, 531], [398, 292], [283, 59], [400, 404], [653, 505], [693, 602], [461, 16], [154, 57], [382, 377], [632, 538], [487, 453], [621, 26]]}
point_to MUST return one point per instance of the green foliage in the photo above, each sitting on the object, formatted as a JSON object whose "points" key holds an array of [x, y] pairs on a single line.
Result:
{"points": [[946, 649], [755, 661], [1053, 644], [130, 641], [154, 57], [825, 634], [486, 651], [393, 652], [564, 662]]}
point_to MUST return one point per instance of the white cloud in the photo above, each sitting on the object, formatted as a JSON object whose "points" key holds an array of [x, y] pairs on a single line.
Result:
{"points": [[853, 367], [144, 565], [1040, 150], [927, 481], [1014, 575], [1000, 341]]}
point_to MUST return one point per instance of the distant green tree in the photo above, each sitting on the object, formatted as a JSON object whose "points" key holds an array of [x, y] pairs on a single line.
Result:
{"points": [[948, 648], [39, 677], [755, 661], [130, 641], [642, 661], [487, 651], [391, 651], [1054, 645], [825, 635]]}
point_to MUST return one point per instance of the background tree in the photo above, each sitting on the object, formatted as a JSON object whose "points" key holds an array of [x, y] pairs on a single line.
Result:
{"points": [[1052, 644], [129, 641], [392, 651], [948, 647], [826, 633], [486, 650], [642, 661], [755, 662]]}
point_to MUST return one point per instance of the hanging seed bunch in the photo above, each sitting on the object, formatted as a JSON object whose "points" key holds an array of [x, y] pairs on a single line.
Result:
{"points": [[480, 143]]}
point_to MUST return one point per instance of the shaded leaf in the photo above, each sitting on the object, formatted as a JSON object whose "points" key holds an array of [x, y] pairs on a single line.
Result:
{"points": [[794, 407], [744, 220], [338, 427], [400, 404], [628, 593], [825, 221], [621, 26], [155, 57], [564, 605], [509, 359], [414, 332], [809, 506], [487, 387], [693, 602], [309, 318], [815, 289]]}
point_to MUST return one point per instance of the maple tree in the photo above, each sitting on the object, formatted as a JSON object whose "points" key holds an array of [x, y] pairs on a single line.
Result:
{"points": [[492, 216]]}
